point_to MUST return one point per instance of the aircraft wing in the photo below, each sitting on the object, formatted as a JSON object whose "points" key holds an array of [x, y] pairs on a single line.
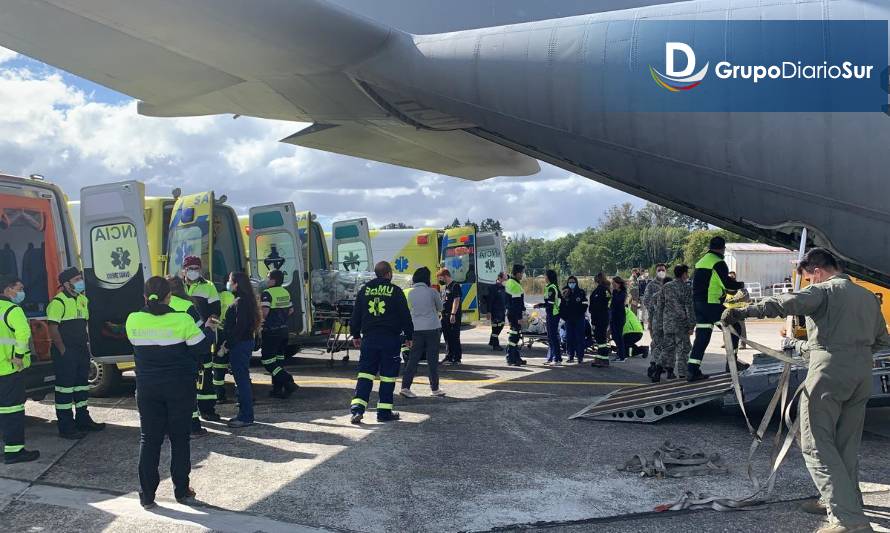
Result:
{"points": [[278, 59], [454, 152]]}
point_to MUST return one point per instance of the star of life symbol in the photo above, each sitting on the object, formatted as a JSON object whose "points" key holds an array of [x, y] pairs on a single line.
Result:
{"points": [[377, 306], [120, 258]]}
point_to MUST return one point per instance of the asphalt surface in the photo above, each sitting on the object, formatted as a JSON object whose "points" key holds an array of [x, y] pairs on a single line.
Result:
{"points": [[498, 453]]}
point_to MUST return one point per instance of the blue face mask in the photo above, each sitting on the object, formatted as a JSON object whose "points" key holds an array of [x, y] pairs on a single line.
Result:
{"points": [[572, 285], [229, 286], [79, 286], [19, 297]]}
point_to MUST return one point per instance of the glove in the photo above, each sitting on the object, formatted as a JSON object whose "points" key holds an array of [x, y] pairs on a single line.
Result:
{"points": [[733, 316], [789, 344]]}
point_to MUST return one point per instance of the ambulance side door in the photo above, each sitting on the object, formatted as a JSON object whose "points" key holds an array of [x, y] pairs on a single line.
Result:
{"points": [[275, 245], [116, 262], [351, 245]]}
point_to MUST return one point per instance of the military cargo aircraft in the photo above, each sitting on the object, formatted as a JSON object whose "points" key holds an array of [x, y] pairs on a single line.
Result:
{"points": [[477, 89]]}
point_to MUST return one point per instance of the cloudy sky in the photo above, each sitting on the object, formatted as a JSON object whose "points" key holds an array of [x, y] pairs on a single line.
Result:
{"points": [[77, 133]]}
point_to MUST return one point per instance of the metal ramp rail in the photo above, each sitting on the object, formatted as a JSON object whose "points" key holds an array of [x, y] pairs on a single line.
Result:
{"points": [[649, 403]]}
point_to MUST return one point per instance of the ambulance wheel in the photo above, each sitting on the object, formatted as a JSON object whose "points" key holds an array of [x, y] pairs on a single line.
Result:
{"points": [[104, 378]]}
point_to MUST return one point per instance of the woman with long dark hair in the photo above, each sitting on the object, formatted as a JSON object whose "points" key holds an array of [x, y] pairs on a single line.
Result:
{"points": [[617, 315], [166, 345], [242, 322]]}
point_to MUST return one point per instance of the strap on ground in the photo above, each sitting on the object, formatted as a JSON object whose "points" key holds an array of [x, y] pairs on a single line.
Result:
{"points": [[760, 490]]}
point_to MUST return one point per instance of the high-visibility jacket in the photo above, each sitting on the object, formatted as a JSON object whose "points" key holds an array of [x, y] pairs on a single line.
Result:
{"points": [[15, 336], [632, 324], [716, 289], [278, 301], [226, 299], [71, 313], [206, 298], [515, 299], [165, 346], [552, 299], [181, 305]]}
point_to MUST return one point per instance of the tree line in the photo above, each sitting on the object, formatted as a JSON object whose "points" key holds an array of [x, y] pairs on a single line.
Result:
{"points": [[624, 238]]}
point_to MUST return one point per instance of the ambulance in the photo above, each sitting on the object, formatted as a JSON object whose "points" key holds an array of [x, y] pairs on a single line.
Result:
{"points": [[279, 237], [126, 238], [37, 242], [473, 258]]}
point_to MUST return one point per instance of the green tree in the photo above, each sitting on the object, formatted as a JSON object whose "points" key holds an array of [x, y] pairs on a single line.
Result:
{"points": [[618, 216], [697, 243], [490, 224], [396, 225], [656, 215]]}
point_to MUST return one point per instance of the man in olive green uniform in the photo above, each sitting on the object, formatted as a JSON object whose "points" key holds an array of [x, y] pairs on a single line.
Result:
{"points": [[844, 327]]}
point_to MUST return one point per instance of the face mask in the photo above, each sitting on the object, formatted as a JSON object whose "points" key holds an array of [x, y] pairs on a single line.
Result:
{"points": [[572, 285], [660, 274], [230, 287], [19, 297], [79, 286], [192, 275], [441, 282]]}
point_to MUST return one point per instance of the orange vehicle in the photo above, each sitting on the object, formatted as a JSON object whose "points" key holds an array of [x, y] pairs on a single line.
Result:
{"points": [[36, 243]]}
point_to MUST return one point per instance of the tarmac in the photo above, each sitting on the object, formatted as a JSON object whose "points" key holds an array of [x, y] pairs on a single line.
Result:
{"points": [[498, 453]]}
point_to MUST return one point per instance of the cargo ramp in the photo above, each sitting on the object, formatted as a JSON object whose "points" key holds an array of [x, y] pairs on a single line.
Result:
{"points": [[650, 403]]}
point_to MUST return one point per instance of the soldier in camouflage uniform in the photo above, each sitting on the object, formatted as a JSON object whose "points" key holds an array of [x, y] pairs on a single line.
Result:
{"points": [[652, 290], [676, 319]]}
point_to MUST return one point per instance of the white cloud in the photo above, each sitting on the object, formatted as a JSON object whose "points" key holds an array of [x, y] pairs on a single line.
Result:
{"points": [[7, 55], [52, 127]]}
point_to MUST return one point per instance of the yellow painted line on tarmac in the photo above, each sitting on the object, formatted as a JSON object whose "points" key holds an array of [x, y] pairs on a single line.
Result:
{"points": [[334, 381]]}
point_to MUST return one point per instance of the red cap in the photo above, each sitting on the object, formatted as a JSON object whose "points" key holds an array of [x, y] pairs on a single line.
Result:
{"points": [[191, 261]]}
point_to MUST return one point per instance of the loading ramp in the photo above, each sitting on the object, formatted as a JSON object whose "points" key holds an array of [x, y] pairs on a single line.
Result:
{"points": [[650, 403]]}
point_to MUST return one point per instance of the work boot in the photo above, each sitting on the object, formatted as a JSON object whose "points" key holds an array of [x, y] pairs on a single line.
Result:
{"points": [[814, 506], [356, 417], [212, 416], [187, 497], [289, 388], [387, 416], [276, 393], [147, 502], [84, 422], [522, 362], [650, 372], [695, 374], [670, 373], [656, 374], [23, 456], [839, 528], [72, 435]]}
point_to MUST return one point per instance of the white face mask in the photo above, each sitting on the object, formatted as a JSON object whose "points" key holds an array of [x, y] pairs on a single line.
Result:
{"points": [[661, 274], [192, 275]]}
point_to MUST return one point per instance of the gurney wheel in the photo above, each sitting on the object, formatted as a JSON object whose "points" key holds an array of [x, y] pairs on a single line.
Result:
{"points": [[345, 359]]}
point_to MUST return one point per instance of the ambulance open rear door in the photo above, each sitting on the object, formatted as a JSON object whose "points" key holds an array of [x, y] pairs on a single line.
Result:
{"points": [[275, 245], [116, 263], [490, 261], [352, 245]]}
